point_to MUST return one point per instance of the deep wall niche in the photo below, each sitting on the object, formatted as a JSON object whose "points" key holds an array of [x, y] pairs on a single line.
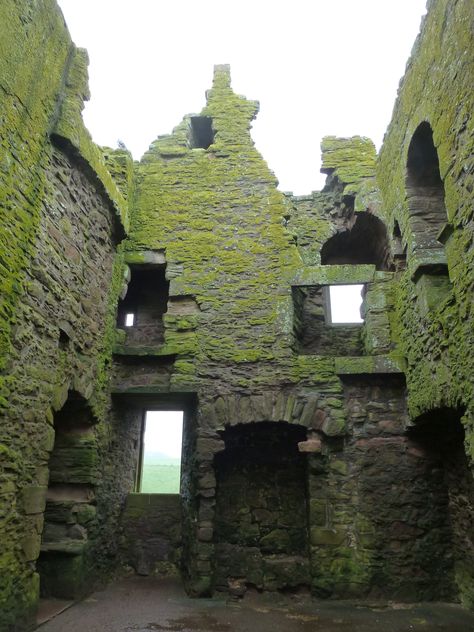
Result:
{"points": [[141, 312], [439, 434], [70, 502], [261, 508]]}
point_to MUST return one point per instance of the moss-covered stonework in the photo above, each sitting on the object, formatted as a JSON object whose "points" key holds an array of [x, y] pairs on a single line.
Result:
{"points": [[433, 315], [224, 274], [60, 221], [151, 541]]}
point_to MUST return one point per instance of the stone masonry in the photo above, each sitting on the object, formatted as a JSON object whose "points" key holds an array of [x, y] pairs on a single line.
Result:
{"points": [[335, 459]]}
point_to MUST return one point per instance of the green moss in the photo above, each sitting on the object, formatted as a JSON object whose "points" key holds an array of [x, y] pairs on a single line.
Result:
{"points": [[432, 321], [351, 160], [221, 223]]}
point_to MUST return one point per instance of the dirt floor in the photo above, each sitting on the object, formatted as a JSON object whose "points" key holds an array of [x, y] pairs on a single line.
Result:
{"points": [[144, 604]]}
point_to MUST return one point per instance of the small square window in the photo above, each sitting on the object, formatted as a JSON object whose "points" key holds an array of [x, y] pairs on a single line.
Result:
{"points": [[345, 302], [129, 319]]}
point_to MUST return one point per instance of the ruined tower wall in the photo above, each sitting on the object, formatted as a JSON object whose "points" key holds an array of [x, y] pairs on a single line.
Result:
{"points": [[61, 220], [434, 298], [240, 258], [300, 463]]}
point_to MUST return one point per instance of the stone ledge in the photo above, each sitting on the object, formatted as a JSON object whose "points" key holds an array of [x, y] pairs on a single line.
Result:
{"points": [[374, 365], [145, 257], [159, 351], [334, 275], [428, 261], [68, 547]]}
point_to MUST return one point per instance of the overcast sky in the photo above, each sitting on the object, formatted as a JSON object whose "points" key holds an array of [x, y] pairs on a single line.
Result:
{"points": [[317, 67], [164, 432]]}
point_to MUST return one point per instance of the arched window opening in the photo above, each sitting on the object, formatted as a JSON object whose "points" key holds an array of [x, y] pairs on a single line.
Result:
{"points": [[365, 243], [425, 190]]}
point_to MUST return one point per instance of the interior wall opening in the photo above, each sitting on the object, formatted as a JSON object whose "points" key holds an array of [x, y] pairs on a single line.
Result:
{"points": [[261, 530], [425, 189], [365, 242], [70, 502], [440, 434], [159, 468], [158, 510], [327, 320], [399, 249], [141, 311], [202, 134]]}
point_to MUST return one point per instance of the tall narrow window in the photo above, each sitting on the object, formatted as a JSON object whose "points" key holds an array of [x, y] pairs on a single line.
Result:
{"points": [[160, 462]]}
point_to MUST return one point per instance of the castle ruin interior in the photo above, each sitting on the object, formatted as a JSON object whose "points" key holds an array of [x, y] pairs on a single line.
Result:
{"points": [[335, 457]]}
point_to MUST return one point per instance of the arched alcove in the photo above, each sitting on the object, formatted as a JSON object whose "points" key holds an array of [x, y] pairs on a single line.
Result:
{"points": [[425, 189], [365, 242]]}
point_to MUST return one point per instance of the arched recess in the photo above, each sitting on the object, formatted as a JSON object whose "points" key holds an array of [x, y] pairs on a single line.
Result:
{"points": [[261, 524], [425, 190], [366, 242], [449, 510]]}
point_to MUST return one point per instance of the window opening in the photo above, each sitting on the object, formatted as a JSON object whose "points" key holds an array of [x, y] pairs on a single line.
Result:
{"points": [[202, 134], [316, 333], [345, 302], [160, 459], [141, 311], [397, 233]]}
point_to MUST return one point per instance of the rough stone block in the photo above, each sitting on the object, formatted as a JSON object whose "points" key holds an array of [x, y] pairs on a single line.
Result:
{"points": [[33, 499], [311, 445], [327, 537], [334, 426], [31, 546]]}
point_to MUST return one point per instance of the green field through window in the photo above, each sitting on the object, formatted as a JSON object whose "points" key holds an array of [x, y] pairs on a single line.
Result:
{"points": [[162, 452]]}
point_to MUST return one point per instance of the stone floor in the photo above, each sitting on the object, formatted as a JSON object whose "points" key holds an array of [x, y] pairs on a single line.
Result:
{"points": [[142, 604]]}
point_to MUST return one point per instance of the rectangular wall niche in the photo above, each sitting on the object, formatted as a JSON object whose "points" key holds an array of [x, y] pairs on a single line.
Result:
{"points": [[325, 320], [159, 470], [261, 531], [141, 311]]}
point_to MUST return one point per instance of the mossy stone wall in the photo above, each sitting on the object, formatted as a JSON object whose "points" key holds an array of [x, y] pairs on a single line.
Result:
{"points": [[434, 309], [61, 219]]}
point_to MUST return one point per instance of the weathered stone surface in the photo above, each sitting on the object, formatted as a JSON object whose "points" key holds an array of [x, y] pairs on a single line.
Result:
{"points": [[310, 445], [231, 328], [33, 499]]}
